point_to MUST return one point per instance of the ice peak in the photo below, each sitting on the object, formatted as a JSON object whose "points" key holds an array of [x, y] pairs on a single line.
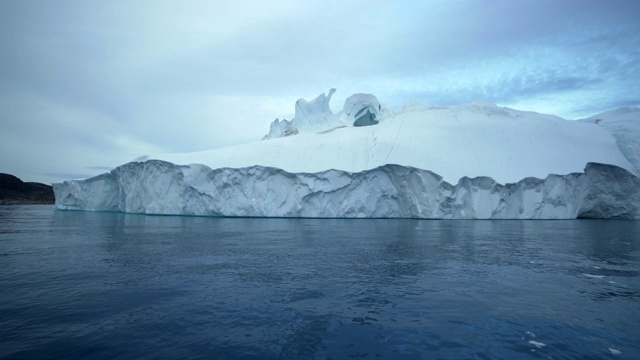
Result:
{"points": [[361, 110], [316, 115]]}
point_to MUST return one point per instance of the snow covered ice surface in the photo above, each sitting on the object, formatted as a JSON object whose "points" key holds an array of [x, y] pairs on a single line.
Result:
{"points": [[624, 124], [322, 164], [477, 139]]}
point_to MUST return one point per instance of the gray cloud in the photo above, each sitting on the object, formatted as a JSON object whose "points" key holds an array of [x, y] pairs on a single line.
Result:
{"points": [[86, 85]]}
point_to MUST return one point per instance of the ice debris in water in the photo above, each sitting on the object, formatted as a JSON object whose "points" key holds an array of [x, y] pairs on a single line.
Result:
{"points": [[537, 344], [594, 276]]}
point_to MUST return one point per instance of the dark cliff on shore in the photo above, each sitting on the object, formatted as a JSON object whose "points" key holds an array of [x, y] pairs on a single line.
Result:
{"points": [[15, 191]]}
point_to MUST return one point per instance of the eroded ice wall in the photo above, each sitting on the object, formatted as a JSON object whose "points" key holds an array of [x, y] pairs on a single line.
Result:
{"points": [[389, 191]]}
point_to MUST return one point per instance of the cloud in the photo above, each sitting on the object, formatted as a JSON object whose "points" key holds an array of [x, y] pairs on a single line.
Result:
{"points": [[86, 85]]}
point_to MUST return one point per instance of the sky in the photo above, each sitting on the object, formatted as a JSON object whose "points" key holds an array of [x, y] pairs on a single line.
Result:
{"points": [[88, 85]]}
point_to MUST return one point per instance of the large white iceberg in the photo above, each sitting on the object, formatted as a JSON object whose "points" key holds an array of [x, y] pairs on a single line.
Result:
{"points": [[322, 164]]}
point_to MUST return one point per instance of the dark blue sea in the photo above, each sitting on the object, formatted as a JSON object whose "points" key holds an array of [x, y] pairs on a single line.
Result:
{"points": [[82, 285]]}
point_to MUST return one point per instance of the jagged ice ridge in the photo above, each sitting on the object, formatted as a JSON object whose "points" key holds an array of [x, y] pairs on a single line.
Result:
{"points": [[389, 191]]}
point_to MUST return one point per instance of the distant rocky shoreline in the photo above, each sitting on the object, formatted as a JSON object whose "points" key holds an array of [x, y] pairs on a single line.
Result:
{"points": [[14, 191]]}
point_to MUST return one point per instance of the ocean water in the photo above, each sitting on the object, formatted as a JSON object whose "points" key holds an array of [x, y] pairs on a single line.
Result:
{"points": [[87, 285]]}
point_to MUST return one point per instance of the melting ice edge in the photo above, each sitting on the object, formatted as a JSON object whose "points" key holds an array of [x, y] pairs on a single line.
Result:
{"points": [[389, 191]]}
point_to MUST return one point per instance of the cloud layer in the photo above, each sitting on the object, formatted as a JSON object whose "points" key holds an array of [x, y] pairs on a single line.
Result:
{"points": [[88, 85]]}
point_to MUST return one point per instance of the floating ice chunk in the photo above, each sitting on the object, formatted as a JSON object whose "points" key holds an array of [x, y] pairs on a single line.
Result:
{"points": [[537, 344], [594, 276], [615, 351]]}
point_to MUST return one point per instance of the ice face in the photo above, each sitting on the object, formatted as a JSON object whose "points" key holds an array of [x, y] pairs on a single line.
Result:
{"points": [[389, 191]]}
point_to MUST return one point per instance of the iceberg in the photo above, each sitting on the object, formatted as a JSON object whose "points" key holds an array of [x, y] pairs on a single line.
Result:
{"points": [[389, 191], [369, 161]]}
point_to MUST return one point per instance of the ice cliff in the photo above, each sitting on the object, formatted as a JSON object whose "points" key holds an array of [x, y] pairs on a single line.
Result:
{"points": [[389, 191]]}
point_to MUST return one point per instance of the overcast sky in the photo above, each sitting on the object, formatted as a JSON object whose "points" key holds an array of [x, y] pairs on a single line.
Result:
{"points": [[88, 85]]}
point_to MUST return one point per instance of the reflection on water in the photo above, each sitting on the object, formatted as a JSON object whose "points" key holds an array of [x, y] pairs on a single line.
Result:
{"points": [[105, 285]]}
